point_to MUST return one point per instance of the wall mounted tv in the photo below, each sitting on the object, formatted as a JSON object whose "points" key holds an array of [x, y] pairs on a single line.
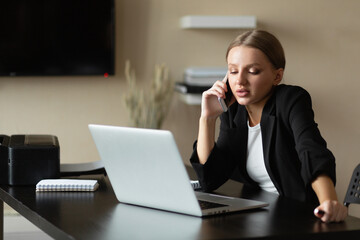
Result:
{"points": [[57, 37]]}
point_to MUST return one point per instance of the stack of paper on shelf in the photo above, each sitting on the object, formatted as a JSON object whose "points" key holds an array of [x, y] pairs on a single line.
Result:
{"points": [[197, 80], [203, 76]]}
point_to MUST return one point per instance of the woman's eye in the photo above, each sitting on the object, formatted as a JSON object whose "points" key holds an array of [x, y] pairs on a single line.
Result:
{"points": [[233, 72], [254, 71]]}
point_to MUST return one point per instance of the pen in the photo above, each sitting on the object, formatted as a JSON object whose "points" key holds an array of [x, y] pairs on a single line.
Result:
{"points": [[319, 212]]}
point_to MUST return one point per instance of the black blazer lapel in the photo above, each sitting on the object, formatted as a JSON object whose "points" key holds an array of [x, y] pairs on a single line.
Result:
{"points": [[241, 138], [268, 125]]}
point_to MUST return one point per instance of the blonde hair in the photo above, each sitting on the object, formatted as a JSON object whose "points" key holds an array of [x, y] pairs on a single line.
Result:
{"points": [[265, 42]]}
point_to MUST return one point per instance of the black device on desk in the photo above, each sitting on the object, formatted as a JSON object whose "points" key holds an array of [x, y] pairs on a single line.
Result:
{"points": [[32, 158], [4, 144], [27, 159]]}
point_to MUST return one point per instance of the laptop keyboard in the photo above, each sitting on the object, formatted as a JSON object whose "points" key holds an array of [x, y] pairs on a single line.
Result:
{"points": [[208, 205]]}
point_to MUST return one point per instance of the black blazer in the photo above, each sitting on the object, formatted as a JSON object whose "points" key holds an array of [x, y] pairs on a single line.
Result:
{"points": [[294, 151]]}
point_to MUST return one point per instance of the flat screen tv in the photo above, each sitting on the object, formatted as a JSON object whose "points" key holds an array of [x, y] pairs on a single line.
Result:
{"points": [[57, 37]]}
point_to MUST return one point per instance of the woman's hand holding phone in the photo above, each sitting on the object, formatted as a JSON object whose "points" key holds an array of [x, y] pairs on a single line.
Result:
{"points": [[215, 100]]}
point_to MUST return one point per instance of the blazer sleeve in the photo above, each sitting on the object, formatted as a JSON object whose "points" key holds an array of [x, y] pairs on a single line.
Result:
{"points": [[220, 163], [311, 147]]}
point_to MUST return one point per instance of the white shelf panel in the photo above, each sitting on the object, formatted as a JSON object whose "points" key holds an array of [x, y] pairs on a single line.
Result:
{"points": [[217, 22]]}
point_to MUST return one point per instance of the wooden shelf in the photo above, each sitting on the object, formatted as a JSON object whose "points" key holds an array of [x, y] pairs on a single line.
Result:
{"points": [[217, 22]]}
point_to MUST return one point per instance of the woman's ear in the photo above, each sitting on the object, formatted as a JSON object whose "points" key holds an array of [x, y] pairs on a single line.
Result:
{"points": [[278, 76]]}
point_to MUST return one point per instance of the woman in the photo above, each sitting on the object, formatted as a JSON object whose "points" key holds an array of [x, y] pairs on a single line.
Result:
{"points": [[268, 136]]}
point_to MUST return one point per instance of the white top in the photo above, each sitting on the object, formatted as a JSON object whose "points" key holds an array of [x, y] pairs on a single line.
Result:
{"points": [[255, 164]]}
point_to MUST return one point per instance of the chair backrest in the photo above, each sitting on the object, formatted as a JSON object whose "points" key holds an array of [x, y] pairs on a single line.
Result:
{"points": [[353, 192]]}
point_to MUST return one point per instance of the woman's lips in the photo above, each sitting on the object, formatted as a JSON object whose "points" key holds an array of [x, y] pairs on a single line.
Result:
{"points": [[242, 92]]}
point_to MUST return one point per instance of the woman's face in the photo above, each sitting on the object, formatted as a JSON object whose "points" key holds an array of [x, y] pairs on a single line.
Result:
{"points": [[251, 76]]}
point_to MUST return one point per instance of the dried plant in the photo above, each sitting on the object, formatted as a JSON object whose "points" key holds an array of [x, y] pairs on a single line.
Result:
{"points": [[148, 109]]}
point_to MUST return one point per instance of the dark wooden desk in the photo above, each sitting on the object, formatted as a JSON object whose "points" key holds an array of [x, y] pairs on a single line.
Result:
{"points": [[98, 215]]}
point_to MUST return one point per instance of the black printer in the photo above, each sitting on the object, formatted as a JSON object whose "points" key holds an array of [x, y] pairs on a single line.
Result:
{"points": [[27, 159]]}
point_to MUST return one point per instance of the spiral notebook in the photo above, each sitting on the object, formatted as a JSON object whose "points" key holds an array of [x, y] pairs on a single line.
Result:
{"points": [[49, 185]]}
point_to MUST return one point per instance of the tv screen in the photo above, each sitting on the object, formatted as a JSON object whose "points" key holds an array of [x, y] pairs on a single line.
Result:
{"points": [[56, 37]]}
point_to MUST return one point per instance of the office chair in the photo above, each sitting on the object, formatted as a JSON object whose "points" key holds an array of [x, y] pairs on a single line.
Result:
{"points": [[353, 192]]}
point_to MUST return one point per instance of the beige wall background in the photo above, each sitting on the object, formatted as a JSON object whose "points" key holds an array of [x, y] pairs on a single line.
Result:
{"points": [[321, 41]]}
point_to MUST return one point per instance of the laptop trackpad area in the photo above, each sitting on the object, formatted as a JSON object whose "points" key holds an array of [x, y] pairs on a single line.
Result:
{"points": [[214, 198], [230, 201], [209, 205]]}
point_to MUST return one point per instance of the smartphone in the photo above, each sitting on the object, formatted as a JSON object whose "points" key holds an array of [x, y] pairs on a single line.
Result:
{"points": [[224, 103]]}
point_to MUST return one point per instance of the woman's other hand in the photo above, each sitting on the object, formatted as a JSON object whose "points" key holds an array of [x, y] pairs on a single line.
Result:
{"points": [[331, 211]]}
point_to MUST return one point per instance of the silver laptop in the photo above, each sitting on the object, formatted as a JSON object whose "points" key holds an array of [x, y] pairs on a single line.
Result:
{"points": [[145, 168]]}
